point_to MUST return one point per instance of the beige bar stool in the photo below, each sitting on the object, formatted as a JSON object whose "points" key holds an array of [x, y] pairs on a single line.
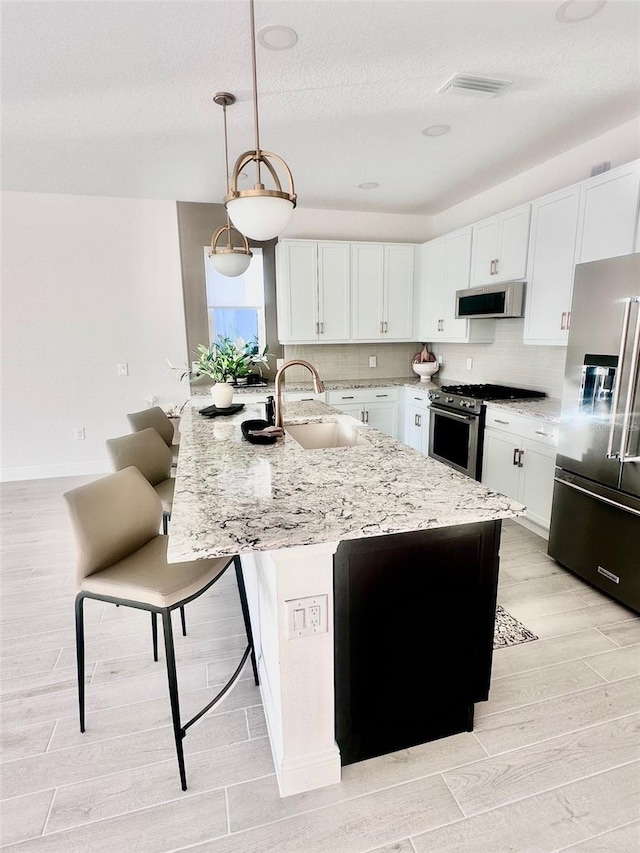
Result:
{"points": [[122, 559], [155, 418], [147, 452]]}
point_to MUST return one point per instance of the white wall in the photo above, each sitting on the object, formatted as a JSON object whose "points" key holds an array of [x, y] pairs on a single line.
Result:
{"points": [[87, 283], [620, 145], [314, 224]]}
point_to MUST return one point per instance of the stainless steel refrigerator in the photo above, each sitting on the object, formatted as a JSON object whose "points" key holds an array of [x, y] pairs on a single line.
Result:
{"points": [[595, 521]]}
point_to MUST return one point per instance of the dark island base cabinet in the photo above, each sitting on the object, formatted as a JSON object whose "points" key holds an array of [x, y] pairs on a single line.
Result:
{"points": [[414, 623]]}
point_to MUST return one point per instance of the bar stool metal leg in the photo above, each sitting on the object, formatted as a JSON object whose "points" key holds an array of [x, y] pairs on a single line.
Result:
{"points": [[154, 634], [173, 693], [183, 620], [245, 615], [80, 655]]}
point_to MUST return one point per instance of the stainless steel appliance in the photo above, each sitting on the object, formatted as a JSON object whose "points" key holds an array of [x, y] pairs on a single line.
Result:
{"points": [[456, 423], [595, 521], [494, 300]]}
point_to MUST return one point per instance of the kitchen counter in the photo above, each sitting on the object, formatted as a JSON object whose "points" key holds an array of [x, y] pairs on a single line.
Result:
{"points": [[233, 497], [544, 408], [330, 385]]}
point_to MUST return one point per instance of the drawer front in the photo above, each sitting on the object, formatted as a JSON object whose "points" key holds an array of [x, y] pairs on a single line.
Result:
{"points": [[362, 395], [302, 397], [419, 399], [520, 426]]}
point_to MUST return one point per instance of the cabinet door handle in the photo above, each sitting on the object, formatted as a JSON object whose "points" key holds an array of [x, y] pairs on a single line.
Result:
{"points": [[362, 416], [498, 421], [307, 400], [366, 416], [382, 395], [381, 328], [542, 432], [419, 420], [497, 267], [563, 322], [515, 455], [491, 266], [386, 326], [520, 455], [568, 320], [415, 420], [317, 328], [347, 398], [322, 328]]}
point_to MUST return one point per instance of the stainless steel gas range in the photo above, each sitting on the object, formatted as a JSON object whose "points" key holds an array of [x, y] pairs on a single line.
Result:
{"points": [[456, 425]]}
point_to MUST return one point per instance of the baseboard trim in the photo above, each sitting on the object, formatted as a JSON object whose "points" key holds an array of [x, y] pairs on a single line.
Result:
{"points": [[533, 527], [46, 472], [308, 772]]}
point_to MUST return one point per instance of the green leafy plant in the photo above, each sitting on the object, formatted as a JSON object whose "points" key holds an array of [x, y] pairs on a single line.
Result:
{"points": [[225, 359]]}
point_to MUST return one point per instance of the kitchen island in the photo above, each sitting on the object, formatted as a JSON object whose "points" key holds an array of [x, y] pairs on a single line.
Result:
{"points": [[371, 574]]}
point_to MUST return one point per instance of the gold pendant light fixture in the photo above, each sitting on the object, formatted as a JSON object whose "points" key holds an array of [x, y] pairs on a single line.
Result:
{"points": [[260, 213], [228, 259]]}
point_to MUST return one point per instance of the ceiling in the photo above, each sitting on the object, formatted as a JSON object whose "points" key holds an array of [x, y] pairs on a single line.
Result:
{"points": [[115, 98]]}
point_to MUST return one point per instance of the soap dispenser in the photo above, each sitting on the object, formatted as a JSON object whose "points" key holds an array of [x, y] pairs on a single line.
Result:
{"points": [[270, 411]]}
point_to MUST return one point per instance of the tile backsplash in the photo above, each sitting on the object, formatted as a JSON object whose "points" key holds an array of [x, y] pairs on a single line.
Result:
{"points": [[506, 361], [351, 361]]}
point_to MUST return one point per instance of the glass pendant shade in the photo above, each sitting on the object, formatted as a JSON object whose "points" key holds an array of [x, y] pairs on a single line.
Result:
{"points": [[231, 264], [229, 260], [261, 217]]}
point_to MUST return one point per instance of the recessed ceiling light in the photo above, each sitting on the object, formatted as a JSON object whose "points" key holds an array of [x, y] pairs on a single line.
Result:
{"points": [[368, 185], [276, 37], [574, 11], [437, 130]]}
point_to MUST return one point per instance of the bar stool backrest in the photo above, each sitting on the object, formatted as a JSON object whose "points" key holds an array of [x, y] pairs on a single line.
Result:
{"points": [[145, 450], [153, 417], [111, 518]]}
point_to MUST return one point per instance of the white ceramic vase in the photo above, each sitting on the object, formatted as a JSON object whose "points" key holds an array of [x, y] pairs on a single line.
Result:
{"points": [[222, 394]]}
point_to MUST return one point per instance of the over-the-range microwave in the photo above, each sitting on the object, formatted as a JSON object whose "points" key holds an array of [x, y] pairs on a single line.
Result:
{"points": [[494, 300]]}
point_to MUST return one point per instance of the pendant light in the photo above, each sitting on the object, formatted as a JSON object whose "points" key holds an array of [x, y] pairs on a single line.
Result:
{"points": [[260, 213], [228, 260]]}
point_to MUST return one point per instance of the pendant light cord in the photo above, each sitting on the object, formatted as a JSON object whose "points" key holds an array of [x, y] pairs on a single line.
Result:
{"points": [[226, 169], [255, 88]]}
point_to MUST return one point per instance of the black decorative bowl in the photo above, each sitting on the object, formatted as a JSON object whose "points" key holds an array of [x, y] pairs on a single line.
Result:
{"points": [[248, 426]]}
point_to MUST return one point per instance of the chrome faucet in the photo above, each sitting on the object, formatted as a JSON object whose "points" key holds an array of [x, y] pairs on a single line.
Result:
{"points": [[318, 384]]}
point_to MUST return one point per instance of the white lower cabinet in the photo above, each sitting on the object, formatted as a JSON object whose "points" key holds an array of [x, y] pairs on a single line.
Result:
{"points": [[416, 421], [377, 407], [519, 461]]}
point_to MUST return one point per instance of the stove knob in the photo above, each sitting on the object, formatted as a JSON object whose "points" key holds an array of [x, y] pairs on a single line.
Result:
{"points": [[448, 399], [433, 395]]}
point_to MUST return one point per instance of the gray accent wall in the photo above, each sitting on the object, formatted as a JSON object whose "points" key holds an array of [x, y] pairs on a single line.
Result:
{"points": [[196, 224]]}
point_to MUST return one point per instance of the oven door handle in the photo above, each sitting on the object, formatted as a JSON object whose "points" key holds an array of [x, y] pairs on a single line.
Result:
{"points": [[447, 414]]}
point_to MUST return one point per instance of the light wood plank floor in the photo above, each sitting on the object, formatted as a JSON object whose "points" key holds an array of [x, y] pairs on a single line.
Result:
{"points": [[552, 765]]}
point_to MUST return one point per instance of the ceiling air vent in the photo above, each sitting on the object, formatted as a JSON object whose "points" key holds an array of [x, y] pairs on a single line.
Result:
{"points": [[469, 84]]}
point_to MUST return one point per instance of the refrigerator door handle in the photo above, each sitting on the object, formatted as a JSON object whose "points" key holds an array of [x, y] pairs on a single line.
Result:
{"points": [[633, 378], [597, 497], [616, 383]]}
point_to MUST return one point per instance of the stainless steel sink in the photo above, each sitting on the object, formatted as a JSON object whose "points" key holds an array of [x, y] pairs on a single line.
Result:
{"points": [[323, 435]]}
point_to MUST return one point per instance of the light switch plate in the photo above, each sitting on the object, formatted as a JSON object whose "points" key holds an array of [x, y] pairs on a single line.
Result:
{"points": [[373, 361]]}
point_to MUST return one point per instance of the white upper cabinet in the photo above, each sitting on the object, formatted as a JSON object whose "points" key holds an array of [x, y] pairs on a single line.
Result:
{"points": [[443, 269], [313, 291], [500, 247], [554, 227], [382, 292], [609, 214]]}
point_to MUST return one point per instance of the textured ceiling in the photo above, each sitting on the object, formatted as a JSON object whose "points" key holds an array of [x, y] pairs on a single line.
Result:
{"points": [[114, 98]]}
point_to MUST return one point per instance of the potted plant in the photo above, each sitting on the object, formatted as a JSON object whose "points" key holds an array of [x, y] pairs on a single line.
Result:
{"points": [[225, 362]]}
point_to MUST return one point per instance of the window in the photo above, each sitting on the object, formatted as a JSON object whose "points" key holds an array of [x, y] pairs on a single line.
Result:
{"points": [[235, 306]]}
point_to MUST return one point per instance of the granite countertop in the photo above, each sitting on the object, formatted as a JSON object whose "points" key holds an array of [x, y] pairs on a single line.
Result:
{"points": [[330, 385], [544, 408], [234, 497]]}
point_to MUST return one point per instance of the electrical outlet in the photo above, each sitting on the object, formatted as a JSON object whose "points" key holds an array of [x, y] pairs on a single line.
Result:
{"points": [[123, 369], [307, 616], [373, 361], [469, 364], [79, 434], [151, 400], [440, 358]]}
